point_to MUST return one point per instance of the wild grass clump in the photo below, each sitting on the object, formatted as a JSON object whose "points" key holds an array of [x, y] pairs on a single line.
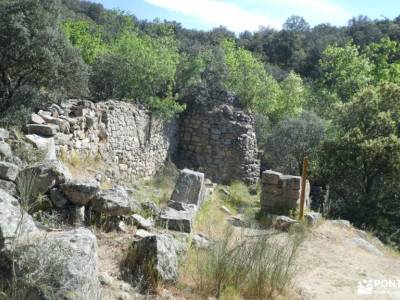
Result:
{"points": [[28, 153], [78, 159], [260, 266], [159, 188]]}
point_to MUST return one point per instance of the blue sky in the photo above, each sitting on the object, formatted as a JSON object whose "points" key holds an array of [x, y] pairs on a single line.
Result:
{"points": [[240, 15]]}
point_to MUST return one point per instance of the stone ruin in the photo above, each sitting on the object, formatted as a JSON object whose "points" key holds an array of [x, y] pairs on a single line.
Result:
{"points": [[281, 193], [220, 142]]}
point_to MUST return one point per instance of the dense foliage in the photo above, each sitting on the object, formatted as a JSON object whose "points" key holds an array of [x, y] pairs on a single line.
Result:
{"points": [[34, 51], [326, 91], [362, 161]]}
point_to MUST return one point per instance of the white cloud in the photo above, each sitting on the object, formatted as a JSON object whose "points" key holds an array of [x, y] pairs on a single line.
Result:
{"points": [[237, 15], [314, 11], [216, 13]]}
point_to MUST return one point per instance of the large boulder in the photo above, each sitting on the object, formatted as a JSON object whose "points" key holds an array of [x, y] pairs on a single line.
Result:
{"points": [[189, 188], [14, 222], [8, 171], [114, 202], [80, 192], [43, 130], [45, 175], [151, 259], [59, 265]]}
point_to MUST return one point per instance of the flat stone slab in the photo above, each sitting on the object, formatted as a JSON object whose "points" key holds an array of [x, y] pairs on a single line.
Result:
{"points": [[179, 220], [114, 202], [141, 222], [43, 130], [80, 192]]}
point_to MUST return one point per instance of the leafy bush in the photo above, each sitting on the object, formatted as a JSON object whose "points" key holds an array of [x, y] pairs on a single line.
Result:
{"points": [[290, 140], [362, 161], [86, 38], [37, 52], [140, 68]]}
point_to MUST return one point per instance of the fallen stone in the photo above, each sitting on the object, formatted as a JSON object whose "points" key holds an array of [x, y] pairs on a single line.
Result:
{"points": [[152, 259], [45, 175], [312, 218], [9, 187], [189, 188], [114, 202], [8, 171], [36, 119], [58, 198], [43, 130], [5, 150], [141, 222], [173, 219], [284, 223], [14, 222], [60, 265], [80, 192]]}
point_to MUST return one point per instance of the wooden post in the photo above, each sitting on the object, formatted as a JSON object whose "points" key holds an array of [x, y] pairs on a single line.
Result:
{"points": [[303, 187]]}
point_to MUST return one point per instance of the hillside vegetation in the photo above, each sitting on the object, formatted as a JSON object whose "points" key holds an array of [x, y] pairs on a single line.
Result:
{"points": [[336, 89]]}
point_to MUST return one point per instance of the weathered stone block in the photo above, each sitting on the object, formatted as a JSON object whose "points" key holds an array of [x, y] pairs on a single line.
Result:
{"points": [[43, 130], [281, 193], [189, 188]]}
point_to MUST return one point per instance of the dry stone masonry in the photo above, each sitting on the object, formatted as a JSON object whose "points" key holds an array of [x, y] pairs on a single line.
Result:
{"points": [[220, 142], [132, 140], [281, 193]]}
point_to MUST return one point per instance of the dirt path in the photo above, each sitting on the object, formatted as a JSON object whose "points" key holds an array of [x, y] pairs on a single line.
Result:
{"points": [[333, 260]]}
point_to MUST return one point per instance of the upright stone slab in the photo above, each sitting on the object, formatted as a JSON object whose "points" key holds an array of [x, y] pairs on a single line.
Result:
{"points": [[281, 193], [189, 188]]}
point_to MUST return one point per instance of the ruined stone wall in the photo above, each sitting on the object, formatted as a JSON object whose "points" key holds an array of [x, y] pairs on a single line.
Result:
{"points": [[220, 142], [281, 193], [134, 142]]}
